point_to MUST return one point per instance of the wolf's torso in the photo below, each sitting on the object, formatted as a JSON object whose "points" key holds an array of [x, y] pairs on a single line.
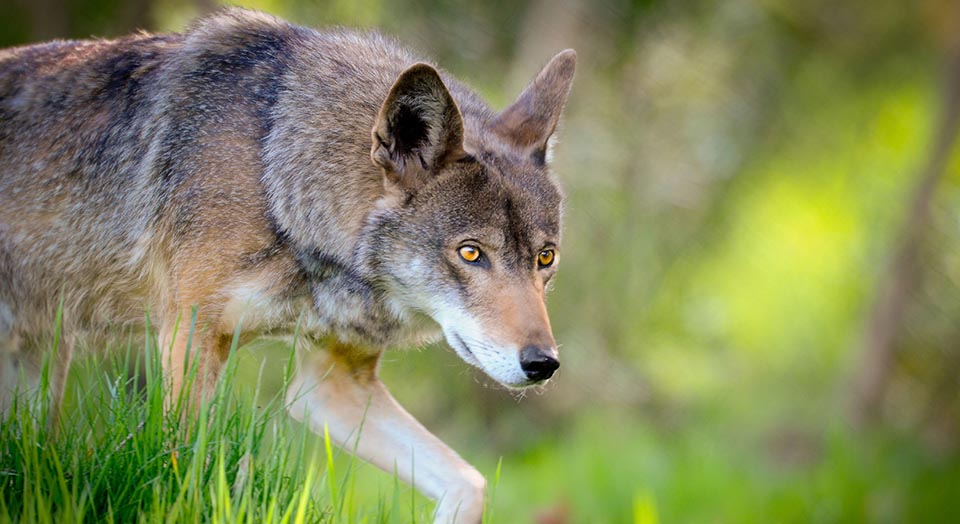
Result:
{"points": [[244, 141]]}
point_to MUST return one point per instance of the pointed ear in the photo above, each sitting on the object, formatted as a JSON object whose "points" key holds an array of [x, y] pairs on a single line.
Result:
{"points": [[532, 119], [419, 128]]}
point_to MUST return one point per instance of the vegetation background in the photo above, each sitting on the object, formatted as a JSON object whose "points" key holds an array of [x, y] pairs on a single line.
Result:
{"points": [[759, 304]]}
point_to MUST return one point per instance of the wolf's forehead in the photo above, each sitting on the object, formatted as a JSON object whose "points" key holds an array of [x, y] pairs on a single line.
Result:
{"points": [[531, 189], [533, 201], [508, 219], [534, 211], [496, 203]]}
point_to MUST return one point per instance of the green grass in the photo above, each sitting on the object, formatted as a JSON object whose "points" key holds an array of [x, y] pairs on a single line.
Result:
{"points": [[120, 456]]}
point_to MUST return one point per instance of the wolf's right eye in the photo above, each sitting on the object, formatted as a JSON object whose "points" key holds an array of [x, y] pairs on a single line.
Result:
{"points": [[469, 253]]}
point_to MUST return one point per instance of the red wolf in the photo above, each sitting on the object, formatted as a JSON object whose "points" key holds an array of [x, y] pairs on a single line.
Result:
{"points": [[249, 168]]}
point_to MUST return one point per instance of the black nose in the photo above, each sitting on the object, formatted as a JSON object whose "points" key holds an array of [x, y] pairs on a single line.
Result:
{"points": [[537, 363]]}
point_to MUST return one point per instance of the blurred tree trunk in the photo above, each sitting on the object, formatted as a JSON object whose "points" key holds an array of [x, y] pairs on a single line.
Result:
{"points": [[137, 14], [886, 319], [549, 27], [48, 19]]}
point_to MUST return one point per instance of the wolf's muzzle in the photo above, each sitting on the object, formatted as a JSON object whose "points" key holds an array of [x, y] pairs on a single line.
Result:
{"points": [[538, 363]]}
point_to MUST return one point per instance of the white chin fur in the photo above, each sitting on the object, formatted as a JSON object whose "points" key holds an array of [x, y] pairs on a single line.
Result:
{"points": [[501, 364], [466, 336]]}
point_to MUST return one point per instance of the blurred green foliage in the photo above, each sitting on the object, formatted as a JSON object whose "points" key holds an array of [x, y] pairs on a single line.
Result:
{"points": [[737, 176]]}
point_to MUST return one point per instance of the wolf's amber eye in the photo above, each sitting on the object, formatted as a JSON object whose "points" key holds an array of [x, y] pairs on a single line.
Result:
{"points": [[469, 253], [545, 258]]}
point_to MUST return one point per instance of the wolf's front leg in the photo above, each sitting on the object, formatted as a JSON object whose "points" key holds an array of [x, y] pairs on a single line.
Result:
{"points": [[187, 351], [340, 389]]}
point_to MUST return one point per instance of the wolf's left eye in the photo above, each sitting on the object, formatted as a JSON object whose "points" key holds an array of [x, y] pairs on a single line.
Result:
{"points": [[545, 258], [469, 253]]}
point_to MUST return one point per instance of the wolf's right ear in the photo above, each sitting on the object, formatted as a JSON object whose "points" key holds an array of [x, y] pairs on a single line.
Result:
{"points": [[419, 128]]}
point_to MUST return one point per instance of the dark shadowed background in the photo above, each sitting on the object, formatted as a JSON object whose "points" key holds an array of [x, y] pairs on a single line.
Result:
{"points": [[759, 300]]}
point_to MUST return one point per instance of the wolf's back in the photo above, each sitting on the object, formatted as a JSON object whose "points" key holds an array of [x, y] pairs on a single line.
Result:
{"points": [[103, 144]]}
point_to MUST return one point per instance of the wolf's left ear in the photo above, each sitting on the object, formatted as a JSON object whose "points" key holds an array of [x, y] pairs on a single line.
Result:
{"points": [[529, 123], [419, 128]]}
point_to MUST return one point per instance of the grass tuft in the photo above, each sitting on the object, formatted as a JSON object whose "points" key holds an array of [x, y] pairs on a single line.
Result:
{"points": [[119, 457]]}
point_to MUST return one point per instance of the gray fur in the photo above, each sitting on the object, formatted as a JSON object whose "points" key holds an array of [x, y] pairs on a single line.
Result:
{"points": [[266, 173]]}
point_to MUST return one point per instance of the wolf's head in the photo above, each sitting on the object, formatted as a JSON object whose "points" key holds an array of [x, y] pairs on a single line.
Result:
{"points": [[472, 237]]}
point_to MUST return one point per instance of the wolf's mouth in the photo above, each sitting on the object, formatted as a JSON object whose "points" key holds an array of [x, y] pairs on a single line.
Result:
{"points": [[465, 351]]}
